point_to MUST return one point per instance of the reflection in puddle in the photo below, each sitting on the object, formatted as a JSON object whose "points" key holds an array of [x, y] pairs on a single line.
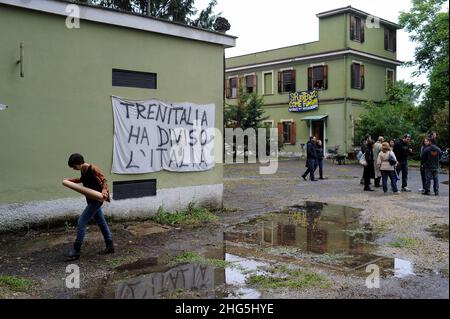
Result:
{"points": [[317, 233], [185, 277], [316, 227]]}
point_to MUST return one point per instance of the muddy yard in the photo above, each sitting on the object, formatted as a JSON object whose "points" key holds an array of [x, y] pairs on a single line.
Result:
{"points": [[278, 237]]}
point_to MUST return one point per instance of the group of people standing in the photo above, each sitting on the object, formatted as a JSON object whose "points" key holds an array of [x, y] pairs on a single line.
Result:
{"points": [[385, 161], [314, 159]]}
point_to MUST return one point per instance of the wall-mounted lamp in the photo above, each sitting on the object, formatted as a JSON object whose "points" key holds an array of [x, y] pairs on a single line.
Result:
{"points": [[21, 60]]}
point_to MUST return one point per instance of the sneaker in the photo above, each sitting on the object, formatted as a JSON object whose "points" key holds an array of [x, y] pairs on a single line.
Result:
{"points": [[397, 193], [420, 190], [426, 193], [406, 190], [369, 189], [304, 177], [436, 194]]}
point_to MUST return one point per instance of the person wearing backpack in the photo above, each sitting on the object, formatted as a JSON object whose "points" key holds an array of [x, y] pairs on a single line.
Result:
{"points": [[386, 162]]}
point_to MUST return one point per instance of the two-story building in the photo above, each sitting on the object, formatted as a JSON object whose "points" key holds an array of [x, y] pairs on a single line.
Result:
{"points": [[353, 61]]}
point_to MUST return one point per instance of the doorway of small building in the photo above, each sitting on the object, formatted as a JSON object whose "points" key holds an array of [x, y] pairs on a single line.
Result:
{"points": [[318, 128]]}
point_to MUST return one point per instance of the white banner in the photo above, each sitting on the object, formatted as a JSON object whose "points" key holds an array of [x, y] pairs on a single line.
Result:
{"points": [[151, 135]]}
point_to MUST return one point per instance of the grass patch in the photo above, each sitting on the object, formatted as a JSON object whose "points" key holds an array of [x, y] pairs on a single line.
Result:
{"points": [[439, 231], [119, 261], [284, 277], [192, 216], [195, 258], [403, 242], [15, 284], [413, 163]]}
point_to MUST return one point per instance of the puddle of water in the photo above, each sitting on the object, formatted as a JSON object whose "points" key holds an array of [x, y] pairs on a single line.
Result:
{"points": [[316, 233], [186, 280], [316, 228]]}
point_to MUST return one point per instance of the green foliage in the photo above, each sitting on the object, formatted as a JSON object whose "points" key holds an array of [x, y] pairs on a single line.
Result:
{"points": [[247, 113], [427, 24], [193, 216], [404, 242], [285, 277], [428, 27], [395, 116], [441, 126], [16, 284], [182, 11]]}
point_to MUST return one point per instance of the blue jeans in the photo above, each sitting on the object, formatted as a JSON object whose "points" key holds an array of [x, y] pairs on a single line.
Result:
{"points": [[392, 176], [403, 168], [92, 210], [431, 174], [311, 164], [319, 163]]}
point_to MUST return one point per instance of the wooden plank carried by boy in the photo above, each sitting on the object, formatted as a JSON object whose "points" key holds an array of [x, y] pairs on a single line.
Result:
{"points": [[88, 192]]}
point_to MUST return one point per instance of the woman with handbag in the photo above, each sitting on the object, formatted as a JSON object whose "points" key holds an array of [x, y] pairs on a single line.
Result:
{"points": [[369, 167], [387, 161]]}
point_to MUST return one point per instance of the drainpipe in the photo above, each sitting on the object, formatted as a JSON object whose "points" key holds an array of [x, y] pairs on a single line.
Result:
{"points": [[345, 84]]}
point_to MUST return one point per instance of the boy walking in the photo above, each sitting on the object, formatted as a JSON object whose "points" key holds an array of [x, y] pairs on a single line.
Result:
{"points": [[91, 177]]}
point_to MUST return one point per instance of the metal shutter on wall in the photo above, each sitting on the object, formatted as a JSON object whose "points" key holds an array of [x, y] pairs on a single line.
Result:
{"points": [[134, 79]]}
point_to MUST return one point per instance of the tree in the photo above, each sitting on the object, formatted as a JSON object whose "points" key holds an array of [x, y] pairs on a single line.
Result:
{"points": [[427, 24], [395, 116], [182, 11], [441, 126], [247, 113]]}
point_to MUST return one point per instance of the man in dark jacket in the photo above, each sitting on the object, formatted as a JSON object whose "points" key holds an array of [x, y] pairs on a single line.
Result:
{"points": [[402, 150], [430, 159], [311, 157]]}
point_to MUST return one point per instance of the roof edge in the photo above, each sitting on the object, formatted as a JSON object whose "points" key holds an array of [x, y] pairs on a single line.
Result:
{"points": [[350, 9], [127, 20]]}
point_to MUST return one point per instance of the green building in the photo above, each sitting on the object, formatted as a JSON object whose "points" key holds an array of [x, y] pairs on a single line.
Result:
{"points": [[353, 61], [56, 84]]}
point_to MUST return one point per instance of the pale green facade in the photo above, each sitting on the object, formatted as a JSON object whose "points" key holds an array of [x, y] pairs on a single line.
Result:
{"points": [[339, 104], [62, 104]]}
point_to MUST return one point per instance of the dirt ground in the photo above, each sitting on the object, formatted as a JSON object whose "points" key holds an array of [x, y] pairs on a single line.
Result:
{"points": [[37, 255]]}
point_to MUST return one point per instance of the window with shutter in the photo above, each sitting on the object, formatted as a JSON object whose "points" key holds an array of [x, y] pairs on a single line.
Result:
{"points": [[356, 29], [286, 81], [317, 77], [390, 40], [287, 132], [250, 83], [233, 82], [389, 78], [357, 76], [268, 83]]}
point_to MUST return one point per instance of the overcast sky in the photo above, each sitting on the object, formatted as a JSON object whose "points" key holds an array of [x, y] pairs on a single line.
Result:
{"points": [[269, 24]]}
